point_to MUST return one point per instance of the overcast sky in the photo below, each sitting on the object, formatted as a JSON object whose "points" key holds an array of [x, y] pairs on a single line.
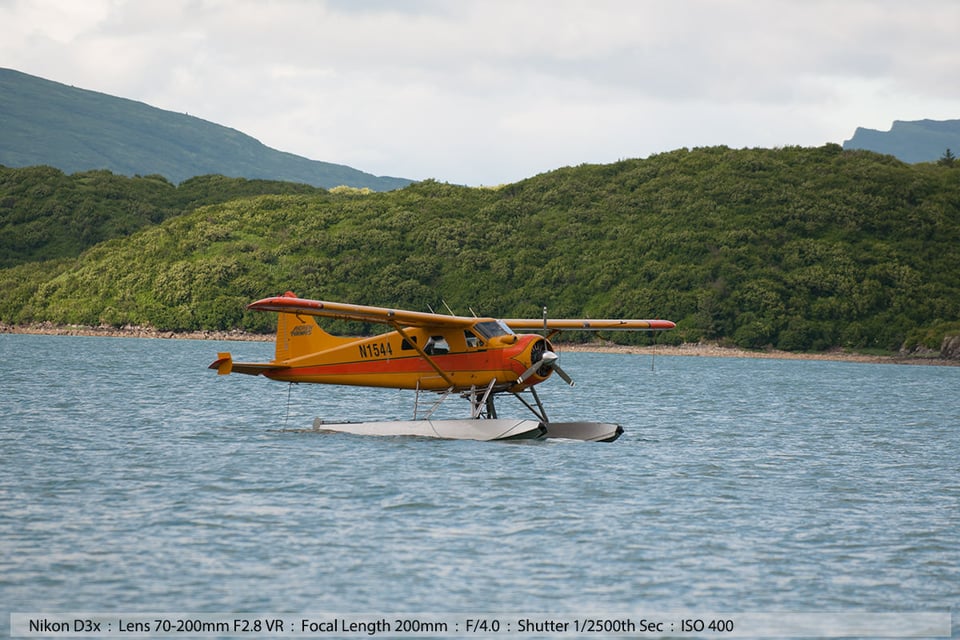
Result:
{"points": [[484, 92]]}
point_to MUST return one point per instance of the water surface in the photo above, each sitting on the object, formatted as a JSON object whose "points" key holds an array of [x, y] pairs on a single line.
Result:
{"points": [[134, 479]]}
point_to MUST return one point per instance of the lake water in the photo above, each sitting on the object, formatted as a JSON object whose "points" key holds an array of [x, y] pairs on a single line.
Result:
{"points": [[133, 479]]}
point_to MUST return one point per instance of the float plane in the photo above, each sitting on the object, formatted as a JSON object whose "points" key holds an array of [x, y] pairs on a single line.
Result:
{"points": [[478, 359]]}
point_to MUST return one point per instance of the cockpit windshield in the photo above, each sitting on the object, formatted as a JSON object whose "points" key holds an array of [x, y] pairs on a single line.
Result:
{"points": [[492, 329]]}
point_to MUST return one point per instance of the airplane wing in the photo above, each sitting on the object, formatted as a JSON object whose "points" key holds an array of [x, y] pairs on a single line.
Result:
{"points": [[291, 304], [586, 324]]}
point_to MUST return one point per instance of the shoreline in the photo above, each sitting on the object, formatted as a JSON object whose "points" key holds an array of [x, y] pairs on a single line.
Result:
{"points": [[712, 350], [701, 350]]}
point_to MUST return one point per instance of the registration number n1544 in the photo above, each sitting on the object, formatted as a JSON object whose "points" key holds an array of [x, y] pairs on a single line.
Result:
{"points": [[375, 350]]}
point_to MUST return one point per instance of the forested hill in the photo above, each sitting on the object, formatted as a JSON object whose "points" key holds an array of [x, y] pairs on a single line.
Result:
{"points": [[45, 214], [48, 123], [800, 249]]}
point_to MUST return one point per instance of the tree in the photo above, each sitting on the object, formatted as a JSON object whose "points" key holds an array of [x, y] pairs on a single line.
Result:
{"points": [[947, 159]]}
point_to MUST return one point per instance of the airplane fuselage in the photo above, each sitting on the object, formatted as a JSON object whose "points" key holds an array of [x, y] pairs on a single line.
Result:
{"points": [[397, 361]]}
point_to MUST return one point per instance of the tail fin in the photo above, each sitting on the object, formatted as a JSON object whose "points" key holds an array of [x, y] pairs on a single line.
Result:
{"points": [[300, 335]]}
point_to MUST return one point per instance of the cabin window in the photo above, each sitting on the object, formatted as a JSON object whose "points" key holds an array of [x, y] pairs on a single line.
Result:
{"points": [[406, 344], [436, 346]]}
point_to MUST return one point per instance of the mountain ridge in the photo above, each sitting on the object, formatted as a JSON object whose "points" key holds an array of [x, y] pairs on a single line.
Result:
{"points": [[911, 141], [50, 123]]}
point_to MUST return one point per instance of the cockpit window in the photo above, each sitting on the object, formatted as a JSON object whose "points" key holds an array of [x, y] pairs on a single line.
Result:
{"points": [[492, 329]]}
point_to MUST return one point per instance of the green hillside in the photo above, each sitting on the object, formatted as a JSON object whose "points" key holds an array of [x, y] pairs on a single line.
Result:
{"points": [[48, 123], [800, 249], [45, 214]]}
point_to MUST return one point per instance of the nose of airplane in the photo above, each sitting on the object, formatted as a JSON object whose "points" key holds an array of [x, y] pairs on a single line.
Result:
{"points": [[543, 361]]}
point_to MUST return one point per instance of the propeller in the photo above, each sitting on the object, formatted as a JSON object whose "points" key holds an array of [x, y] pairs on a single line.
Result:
{"points": [[544, 361]]}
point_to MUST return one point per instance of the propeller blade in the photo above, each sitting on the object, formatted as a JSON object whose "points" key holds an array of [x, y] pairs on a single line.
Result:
{"points": [[529, 372], [548, 358], [563, 374]]}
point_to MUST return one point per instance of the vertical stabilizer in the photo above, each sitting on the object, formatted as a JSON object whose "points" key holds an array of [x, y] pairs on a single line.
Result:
{"points": [[299, 335]]}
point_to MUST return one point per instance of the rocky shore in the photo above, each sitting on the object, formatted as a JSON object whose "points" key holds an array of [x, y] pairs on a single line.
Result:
{"points": [[50, 329], [701, 349]]}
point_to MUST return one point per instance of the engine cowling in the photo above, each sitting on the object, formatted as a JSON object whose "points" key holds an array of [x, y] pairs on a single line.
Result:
{"points": [[540, 361]]}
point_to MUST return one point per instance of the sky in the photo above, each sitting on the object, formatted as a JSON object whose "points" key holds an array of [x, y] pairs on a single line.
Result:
{"points": [[488, 92]]}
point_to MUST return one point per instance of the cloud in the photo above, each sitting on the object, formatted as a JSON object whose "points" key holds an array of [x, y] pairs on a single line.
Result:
{"points": [[489, 91]]}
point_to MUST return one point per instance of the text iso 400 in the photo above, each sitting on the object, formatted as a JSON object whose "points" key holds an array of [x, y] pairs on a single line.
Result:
{"points": [[695, 625]]}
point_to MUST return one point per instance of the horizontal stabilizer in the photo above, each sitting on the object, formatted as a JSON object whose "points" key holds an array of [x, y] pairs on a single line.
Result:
{"points": [[224, 365]]}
